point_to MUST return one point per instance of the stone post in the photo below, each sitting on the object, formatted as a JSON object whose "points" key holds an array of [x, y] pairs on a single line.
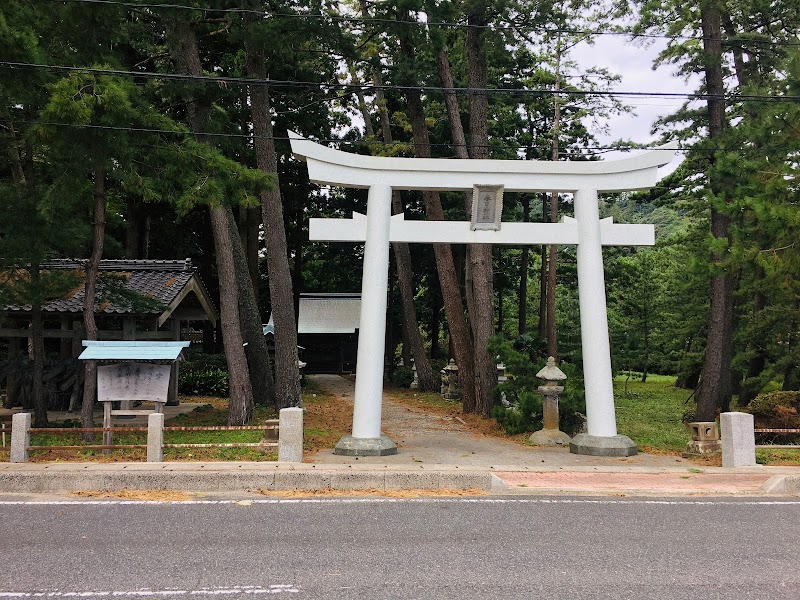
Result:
{"points": [[550, 434], [20, 437], [738, 439], [290, 435], [155, 437]]}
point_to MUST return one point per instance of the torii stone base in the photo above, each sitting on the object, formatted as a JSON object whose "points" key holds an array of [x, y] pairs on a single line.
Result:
{"points": [[595, 445], [352, 446]]}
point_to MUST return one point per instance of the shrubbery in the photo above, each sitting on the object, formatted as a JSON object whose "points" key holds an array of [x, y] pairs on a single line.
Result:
{"points": [[402, 377], [775, 409], [204, 375], [523, 358]]}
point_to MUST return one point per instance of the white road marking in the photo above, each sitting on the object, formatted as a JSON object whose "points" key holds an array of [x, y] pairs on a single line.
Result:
{"points": [[147, 592], [379, 500]]}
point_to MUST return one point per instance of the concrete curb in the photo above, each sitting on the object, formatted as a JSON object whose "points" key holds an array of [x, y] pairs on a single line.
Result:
{"points": [[239, 480], [37, 478]]}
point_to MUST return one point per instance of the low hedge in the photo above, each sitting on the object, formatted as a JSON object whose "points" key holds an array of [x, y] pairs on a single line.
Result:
{"points": [[204, 375], [775, 409]]}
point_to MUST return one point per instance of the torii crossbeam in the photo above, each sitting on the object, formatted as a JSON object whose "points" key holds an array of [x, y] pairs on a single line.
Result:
{"points": [[378, 229]]}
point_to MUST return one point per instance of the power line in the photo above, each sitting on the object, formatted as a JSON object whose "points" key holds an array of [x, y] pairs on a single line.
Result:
{"points": [[438, 24], [594, 150], [314, 85], [286, 139]]}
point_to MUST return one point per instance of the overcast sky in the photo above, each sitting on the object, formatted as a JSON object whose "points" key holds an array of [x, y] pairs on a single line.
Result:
{"points": [[634, 63]]}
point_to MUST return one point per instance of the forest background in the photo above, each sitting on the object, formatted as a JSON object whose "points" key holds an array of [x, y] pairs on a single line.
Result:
{"points": [[148, 130]]}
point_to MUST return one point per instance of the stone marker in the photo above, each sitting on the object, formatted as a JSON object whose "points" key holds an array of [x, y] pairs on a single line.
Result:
{"points": [[290, 435], [20, 437], [738, 439], [155, 437]]}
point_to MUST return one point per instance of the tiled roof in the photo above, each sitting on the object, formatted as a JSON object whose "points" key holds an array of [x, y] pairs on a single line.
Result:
{"points": [[160, 279]]}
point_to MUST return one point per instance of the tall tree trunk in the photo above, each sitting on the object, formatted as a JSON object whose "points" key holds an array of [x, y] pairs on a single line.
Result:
{"points": [[90, 291], [412, 338], [287, 372], [453, 305], [258, 363], [541, 327], [522, 314], [715, 386], [750, 387], [37, 354], [247, 230], [363, 107], [480, 261], [24, 192], [428, 382], [791, 373], [552, 249], [433, 326], [240, 407], [183, 43], [448, 279]]}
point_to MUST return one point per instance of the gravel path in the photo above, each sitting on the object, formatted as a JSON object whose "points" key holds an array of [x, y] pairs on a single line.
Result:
{"points": [[429, 439]]}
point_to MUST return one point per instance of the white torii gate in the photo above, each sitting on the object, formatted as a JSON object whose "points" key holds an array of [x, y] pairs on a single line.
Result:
{"points": [[381, 175]]}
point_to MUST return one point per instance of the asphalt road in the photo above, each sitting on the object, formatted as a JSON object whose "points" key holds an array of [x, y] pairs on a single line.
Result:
{"points": [[519, 547]]}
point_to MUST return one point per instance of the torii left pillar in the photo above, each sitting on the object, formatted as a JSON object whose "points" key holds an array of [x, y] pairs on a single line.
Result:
{"points": [[366, 439]]}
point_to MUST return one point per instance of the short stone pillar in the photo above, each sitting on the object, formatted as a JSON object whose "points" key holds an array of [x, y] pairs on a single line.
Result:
{"points": [[155, 437], [414, 382], [705, 439], [550, 434], [290, 435], [20, 437], [453, 390], [738, 439]]}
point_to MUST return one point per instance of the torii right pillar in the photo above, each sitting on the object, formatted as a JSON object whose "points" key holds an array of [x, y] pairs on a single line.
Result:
{"points": [[602, 438]]}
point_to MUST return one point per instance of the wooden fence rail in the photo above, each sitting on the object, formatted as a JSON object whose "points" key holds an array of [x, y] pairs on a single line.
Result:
{"points": [[289, 430]]}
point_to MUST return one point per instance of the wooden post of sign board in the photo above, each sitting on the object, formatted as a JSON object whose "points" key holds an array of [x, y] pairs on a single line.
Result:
{"points": [[107, 427], [172, 395]]}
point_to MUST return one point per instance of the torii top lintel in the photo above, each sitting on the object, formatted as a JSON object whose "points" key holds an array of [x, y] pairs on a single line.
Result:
{"points": [[327, 166]]}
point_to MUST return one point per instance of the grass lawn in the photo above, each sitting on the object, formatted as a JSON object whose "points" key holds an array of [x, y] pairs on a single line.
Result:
{"points": [[651, 413]]}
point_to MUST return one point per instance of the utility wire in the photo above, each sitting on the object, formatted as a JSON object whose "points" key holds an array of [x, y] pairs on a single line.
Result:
{"points": [[595, 150], [440, 24], [286, 139], [313, 85]]}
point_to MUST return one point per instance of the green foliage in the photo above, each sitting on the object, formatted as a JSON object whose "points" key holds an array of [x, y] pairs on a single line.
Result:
{"points": [[778, 409], [204, 375], [403, 376], [523, 358]]}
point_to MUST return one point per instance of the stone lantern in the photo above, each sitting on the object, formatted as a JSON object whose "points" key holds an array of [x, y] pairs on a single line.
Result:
{"points": [[550, 435], [453, 391], [415, 382]]}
